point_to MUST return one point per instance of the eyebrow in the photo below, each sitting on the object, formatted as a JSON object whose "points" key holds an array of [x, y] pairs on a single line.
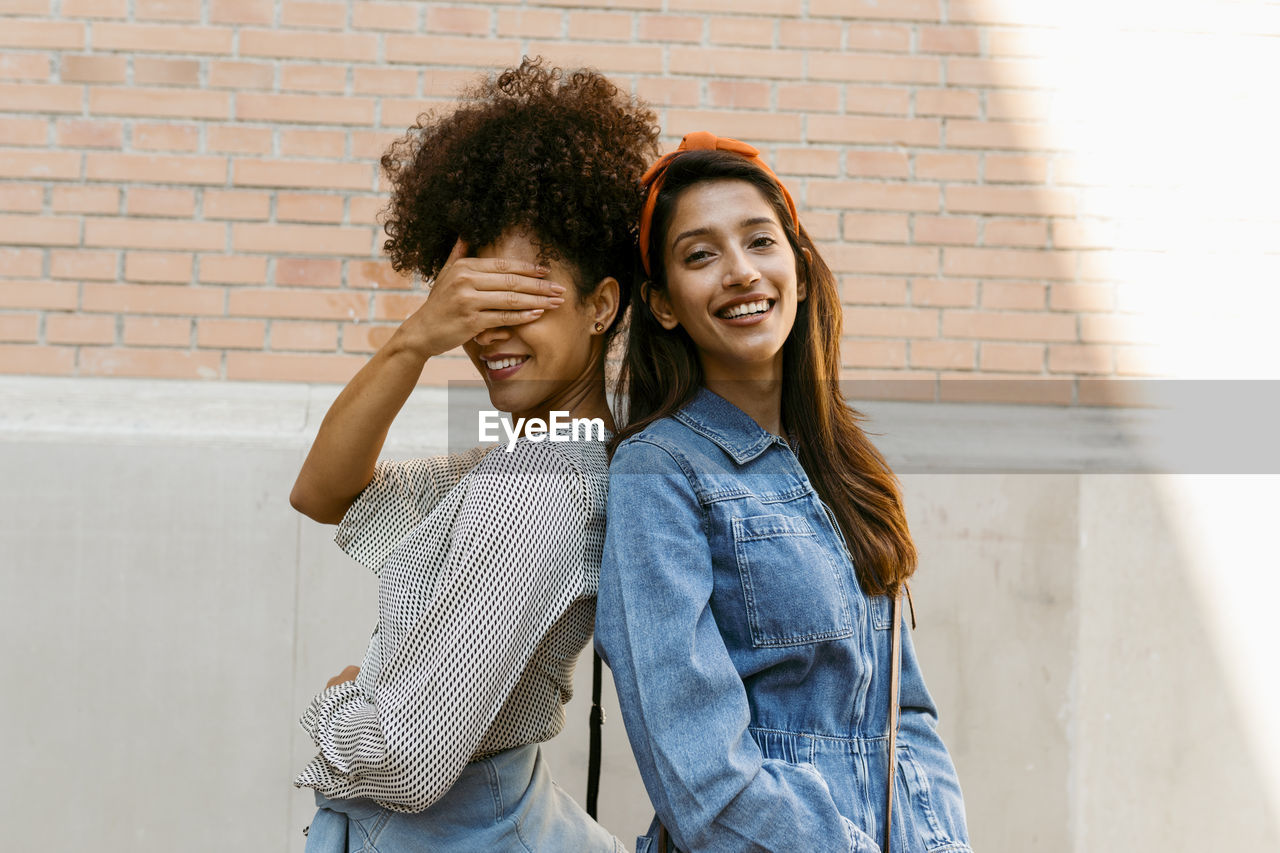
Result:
{"points": [[746, 223]]}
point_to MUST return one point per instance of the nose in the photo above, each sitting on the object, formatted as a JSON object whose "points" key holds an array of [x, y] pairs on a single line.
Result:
{"points": [[740, 269], [492, 336]]}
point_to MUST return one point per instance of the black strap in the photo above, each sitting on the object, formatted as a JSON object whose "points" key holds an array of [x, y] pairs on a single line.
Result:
{"points": [[593, 748]]}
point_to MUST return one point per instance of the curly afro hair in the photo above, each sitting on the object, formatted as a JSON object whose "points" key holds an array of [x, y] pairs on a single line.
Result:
{"points": [[559, 154]]}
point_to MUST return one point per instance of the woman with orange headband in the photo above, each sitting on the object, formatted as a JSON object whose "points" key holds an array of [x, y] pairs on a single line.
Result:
{"points": [[757, 547]]}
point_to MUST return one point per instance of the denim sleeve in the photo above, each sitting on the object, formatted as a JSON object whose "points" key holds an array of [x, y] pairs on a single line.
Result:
{"points": [[682, 700]]}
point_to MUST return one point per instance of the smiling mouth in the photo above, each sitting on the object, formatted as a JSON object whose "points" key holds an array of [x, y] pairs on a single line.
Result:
{"points": [[503, 363], [745, 309]]}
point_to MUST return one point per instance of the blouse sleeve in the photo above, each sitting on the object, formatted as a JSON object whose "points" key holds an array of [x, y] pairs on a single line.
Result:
{"points": [[397, 499], [514, 553], [682, 700]]}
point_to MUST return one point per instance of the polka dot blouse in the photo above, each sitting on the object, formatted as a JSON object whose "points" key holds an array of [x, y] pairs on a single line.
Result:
{"points": [[488, 564]]}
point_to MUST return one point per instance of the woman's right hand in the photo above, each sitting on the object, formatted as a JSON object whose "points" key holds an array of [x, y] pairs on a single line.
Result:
{"points": [[473, 294]]}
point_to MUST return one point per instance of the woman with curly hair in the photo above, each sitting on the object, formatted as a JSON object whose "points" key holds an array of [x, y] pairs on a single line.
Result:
{"points": [[520, 206]]}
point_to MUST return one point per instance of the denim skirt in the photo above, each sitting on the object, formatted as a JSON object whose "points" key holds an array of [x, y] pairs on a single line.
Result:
{"points": [[506, 802]]}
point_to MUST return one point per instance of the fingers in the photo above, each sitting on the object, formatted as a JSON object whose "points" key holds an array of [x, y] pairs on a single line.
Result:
{"points": [[512, 300], [459, 250]]}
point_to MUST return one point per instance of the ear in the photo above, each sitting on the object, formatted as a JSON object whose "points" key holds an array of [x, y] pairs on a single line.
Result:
{"points": [[602, 303], [802, 285], [659, 305]]}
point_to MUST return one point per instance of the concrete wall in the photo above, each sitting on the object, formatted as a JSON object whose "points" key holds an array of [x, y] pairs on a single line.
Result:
{"points": [[166, 616]]}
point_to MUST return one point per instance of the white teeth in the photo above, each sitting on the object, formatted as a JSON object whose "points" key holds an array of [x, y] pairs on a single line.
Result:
{"points": [[757, 307], [504, 362]]}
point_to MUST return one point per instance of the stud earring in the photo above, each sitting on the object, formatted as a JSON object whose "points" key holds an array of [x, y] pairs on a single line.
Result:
{"points": [[599, 328]]}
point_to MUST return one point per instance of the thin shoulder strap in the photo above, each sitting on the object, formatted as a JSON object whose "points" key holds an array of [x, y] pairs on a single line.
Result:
{"points": [[895, 667], [593, 748]]}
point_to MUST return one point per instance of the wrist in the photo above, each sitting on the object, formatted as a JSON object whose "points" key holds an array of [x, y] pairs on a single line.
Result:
{"points": [[406, 347]]}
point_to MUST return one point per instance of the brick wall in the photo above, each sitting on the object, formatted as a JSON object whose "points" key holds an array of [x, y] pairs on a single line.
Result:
{"points": [[188, 188]]}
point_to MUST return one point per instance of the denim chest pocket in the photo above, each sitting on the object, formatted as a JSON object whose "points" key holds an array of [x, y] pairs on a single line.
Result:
{"points": [[791, 583]]}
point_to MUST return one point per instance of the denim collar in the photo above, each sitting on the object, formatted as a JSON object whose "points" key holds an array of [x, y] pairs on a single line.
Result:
{"points": [[733, 430]]}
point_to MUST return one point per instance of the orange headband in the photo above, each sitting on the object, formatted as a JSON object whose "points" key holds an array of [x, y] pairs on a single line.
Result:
{"points": [[700, 140]]}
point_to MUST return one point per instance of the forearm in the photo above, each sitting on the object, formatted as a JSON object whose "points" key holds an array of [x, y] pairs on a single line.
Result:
{"points": [[342, 457]]}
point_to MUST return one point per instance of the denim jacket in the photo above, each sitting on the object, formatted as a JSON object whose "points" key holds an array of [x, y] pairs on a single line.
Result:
{"points": [[751, 669]]}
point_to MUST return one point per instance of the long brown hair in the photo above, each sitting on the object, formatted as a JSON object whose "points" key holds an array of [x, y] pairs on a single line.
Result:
{"points": [[661, 372]]}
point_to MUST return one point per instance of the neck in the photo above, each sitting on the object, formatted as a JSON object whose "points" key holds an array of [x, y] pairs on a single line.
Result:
{"points": [[759, 396], [582, 398]]}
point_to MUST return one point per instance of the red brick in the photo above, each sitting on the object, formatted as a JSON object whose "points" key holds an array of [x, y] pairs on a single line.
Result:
{"points": [[1014, 295], [904, 10], [944, 292], [21, 262], [732, 93], [158, 267], [756, 32], [292, 367], [950, 40], [166, 137], [25, 66], [172, 103], [166, 72], [76, 329], [317, 337], [946, 167], [164, 299], [997, 135], [301, 239], [231, 334], [386, 81], [847, 67], [882, 164], [42, 35], [377, 275], [396, 17], [283, 44], [891, 322], [866, 195], [457, 20], [734, 7], [37, 360], [148, 168], [309, 272], [669, 92], [1013, 232], [162, 38], [310, 109], [298, 304], [241, 75], [1081, 358], [313, 78], [276, 173], [943, 355], [238, 140], [1016, 326], [670, 28], [452, 50], [365, 337], [19, 328], [95, 8], [84, 264], [233, 269], [947, 102], [964, 71], [755, 126], [875, 228], [1016, 169], [1081, 297], [1032, 106], [330, 144], [738, 62], [166, 10], [60, 296], [809, 160], [94, 68], [1028, 201], [311, 207], [140, 234], [869, 290], [808, 34], [40, 98], [815, 97], [157, 331], [877, 100], [22, 198], [234, 204], [25, 7], [21, 230], [242, 11], [599, 26], [80, 199], [1017, 358], [162, 364], [1010, 263], [609, 58], [856, 353], [396, 306], [874, 131], [946, 230], [877, 38], [40, 164], [325, 16]]}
